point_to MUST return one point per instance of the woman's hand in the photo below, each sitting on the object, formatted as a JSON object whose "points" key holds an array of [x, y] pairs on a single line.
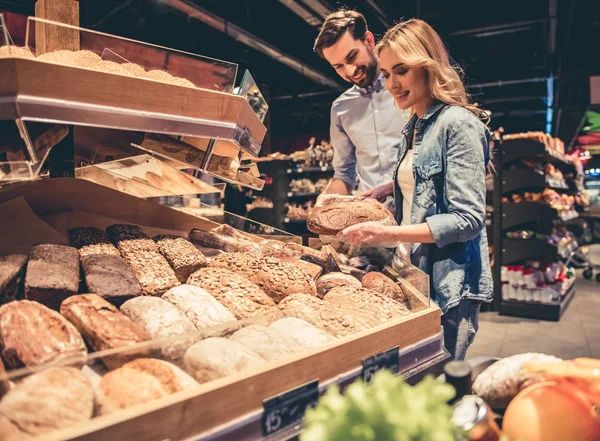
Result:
{"points": [[380, 193], [371, 234]]}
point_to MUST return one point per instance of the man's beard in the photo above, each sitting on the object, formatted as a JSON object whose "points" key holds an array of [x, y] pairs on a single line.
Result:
{"points": [[370, 72]]}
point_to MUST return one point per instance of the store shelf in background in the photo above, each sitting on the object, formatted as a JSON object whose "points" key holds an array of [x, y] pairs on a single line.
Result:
{"points": [[294, 220], [514, 215], [291, 171], [513, 180], [303, 195], [514, 149], [514, 250], [541, 311]]}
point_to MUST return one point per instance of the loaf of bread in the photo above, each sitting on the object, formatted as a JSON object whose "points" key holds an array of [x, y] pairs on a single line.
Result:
{"points": [[91, 240], [32, 334], [110, 277], [216, 357], [201, 308], [265, 342], [103, 327], [161, 319], [312, 270], [12, 269], [277, 279], [140, 381], [337, 216], [372, 307], [56, 398], [382, 284], [333, 280], [130, 239], [243, 298], [52, 274], [181, 254], [152, 271], [503, 380], [322, 314], [221, 242], [300, 334]]}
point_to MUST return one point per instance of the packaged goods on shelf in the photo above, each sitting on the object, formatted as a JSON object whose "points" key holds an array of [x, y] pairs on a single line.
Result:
{"points": [[536, 282]]}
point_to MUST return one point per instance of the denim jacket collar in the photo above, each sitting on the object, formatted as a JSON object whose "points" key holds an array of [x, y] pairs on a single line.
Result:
{"points": [[410, 126]]}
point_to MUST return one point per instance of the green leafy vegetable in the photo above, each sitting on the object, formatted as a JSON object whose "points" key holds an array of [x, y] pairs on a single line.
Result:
{"points": [[387, 409]]}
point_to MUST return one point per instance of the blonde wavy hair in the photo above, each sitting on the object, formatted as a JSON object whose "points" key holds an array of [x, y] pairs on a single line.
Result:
{"points": [[418, 45]]}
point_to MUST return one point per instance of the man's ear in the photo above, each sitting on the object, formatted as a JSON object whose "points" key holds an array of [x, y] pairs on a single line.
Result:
{"points": [[370, 40]]}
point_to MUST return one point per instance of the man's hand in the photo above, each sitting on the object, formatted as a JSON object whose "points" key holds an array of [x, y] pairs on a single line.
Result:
{"points": [[371, 234], [380, 193]]}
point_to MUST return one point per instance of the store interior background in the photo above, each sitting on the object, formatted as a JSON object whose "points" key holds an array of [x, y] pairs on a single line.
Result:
{"points": [[528, 62]]}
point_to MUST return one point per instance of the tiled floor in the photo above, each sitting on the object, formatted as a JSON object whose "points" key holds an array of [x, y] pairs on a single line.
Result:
{"points": [[577, 334]]}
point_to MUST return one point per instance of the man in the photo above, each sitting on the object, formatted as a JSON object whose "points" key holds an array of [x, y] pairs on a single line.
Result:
{"points": [[365, 125]]}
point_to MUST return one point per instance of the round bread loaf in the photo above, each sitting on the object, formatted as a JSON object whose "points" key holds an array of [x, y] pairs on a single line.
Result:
{"points": [[276, 278], [300, 334], [218, 357], [264, 342], [372, 307], [243, 298], [337, 216], [503, 380], [333, 280], [382, 284], [322, 314], [53, 399], [140, 381]]}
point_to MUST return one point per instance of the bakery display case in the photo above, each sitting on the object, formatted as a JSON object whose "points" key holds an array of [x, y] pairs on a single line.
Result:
{"points": [[152, 322]]}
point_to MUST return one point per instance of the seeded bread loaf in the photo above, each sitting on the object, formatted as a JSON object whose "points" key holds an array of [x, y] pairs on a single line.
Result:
{"points": [[333, 280], [277, 279], [322, 314], [336, 216], [300, 334], [222, 242], [243, 298], [216, 357], [181, 254], [32, 334], [264, 342], [372, 307], [103, 327], [12, 269], [91, 240], [202, 309], [140, 381], [161, 319], [52, 274], [110, 277], [130, 238], [152, 271], [382, 284], [56, 398]]}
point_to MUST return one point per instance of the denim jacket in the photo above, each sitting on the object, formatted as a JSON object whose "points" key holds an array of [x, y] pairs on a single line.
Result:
{"points": [[451, 153]]}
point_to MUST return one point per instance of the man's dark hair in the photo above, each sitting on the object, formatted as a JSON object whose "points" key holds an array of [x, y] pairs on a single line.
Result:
{"points": [[336, 25]]}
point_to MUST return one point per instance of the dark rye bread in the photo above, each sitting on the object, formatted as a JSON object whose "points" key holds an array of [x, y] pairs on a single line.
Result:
{"points": [[52, 274], [372, 307], [243, 298], [382, 284], [337, 216], [110, 277], [181, 254], [322, 314], [12, 269], [32, 334], [91, 240], [105, 327], [276, 278]]}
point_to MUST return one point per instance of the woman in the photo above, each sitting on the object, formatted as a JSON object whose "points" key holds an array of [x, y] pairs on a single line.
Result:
{"points": [[439, 182]]}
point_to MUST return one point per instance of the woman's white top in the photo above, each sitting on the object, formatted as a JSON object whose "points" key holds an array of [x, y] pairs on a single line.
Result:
{"points": [[406, 182]]}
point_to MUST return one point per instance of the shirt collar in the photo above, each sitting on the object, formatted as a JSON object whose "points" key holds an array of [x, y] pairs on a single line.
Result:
{"points": [[410, 126], [376, 87]]}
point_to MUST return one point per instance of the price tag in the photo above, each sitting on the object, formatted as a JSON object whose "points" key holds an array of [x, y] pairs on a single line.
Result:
{"points": [[289, 407], [389, 359]]}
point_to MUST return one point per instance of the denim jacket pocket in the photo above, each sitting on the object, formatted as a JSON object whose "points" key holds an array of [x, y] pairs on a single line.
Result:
{"points": [[429, 180]]}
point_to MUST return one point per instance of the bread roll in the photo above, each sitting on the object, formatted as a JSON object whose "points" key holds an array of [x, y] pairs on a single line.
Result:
{"points": [[56, 398], [138, 382], [52, 274], [299, 333], [12, 269], [322, 314], [277, 279], [161, 319], [265, 343], [372, 307], [218, 357], [243, 298], [32, 334], [181, 254], [110, 277], [202, 309], [333, 280], [104, 327], [382, 284]]}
